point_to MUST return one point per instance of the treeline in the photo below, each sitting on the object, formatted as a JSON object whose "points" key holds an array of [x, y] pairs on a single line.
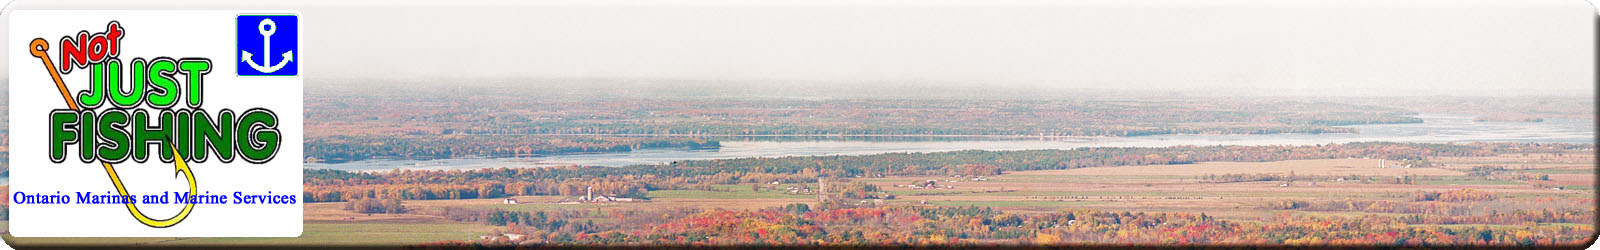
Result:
{"points": [[335, 149], [942, 163], [923, 225], [1464, 206], [635, 181], [1229, 178], [905, 128], [418, 186], [1374, 206], [561, 224], [5, 163], [860, 190], [390, 205], [503, 112], [1369, 179], [1346, 118], [1446, 214], [425, 124], [1463, 195], [5, 203]]}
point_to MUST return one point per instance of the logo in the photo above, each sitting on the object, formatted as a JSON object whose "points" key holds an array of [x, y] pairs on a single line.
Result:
{"points": [[140, 138], [257, 36]]}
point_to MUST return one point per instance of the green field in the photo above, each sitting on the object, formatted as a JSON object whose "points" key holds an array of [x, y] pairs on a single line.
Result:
{"points": [[1162, 194], [1578, 187], [1094, 178], [1057, 204], [1554, 171], [530, 207], [745, 193], [1467, 180]]}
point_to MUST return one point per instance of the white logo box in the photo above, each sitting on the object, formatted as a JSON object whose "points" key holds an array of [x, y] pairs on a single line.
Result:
{"points": [[149, 34]]}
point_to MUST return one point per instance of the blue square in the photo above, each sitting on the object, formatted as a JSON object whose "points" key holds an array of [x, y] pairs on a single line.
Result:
{"points": [[268, 45]]}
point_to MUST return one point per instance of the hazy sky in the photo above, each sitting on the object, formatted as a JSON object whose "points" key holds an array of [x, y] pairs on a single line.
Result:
{"points": [[1334, 46]]}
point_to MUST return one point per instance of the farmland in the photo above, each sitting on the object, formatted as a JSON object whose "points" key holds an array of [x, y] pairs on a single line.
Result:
{"points": [[1483, 194], [1519, 210], [316, 233], [1385, 192]]}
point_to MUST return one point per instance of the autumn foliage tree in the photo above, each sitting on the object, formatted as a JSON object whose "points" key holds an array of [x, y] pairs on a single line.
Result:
{"points": [[391, 205]]}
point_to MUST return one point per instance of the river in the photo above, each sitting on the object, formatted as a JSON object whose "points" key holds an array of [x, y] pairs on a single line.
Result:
{"points": [[1436, 128]]}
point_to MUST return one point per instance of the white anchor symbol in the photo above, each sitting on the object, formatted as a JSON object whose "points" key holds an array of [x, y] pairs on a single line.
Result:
{"points": [[267, 27]]}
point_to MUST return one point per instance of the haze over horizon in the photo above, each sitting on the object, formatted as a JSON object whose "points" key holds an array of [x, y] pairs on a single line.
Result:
{"points": [[1379, 48]]}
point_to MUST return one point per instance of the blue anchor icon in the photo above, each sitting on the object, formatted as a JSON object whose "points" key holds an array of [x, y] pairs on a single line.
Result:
{"points": [[269, 29]]}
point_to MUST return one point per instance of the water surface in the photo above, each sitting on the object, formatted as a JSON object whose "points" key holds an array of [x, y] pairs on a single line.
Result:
{"points": [[1436, 128]]}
